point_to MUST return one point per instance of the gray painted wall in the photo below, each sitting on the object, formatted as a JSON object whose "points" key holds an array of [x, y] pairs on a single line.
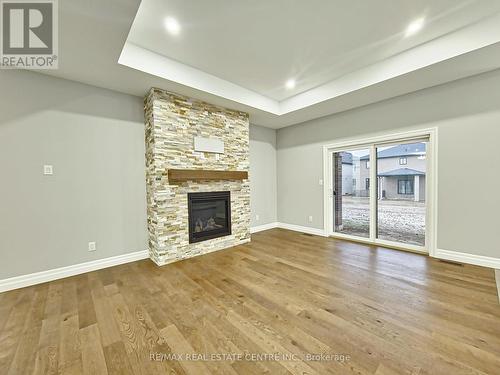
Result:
{"points": [[94, 138], [467, 114], [262, 175]]}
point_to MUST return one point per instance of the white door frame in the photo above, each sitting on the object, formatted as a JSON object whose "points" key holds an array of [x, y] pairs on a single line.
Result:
{"points": [[431, 187]]}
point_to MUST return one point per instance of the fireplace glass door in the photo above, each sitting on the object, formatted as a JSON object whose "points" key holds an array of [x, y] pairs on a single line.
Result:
{"points": [[209, 215]]}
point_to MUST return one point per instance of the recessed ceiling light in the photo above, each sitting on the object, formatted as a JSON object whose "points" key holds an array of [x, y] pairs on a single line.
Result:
{"points": [[415, 26], [172, 25], [290, 84]]}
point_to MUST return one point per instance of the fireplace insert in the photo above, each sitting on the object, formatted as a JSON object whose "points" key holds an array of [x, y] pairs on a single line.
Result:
{"points": [[209, 215]]}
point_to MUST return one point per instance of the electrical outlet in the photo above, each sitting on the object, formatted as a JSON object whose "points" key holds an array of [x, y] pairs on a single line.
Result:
{"points": [[48, 170], [92, 246], [257, 217], [310, 219], [321, 182]]}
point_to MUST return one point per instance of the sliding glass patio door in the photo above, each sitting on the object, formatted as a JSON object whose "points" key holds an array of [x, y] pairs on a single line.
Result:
{"points": [[378, 192]]}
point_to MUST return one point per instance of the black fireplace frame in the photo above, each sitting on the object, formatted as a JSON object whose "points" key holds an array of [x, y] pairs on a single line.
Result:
{"points": [[203, 197]]}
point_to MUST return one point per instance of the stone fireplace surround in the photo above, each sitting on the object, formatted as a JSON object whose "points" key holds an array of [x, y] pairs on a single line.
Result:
{"points": [[171, 123]]}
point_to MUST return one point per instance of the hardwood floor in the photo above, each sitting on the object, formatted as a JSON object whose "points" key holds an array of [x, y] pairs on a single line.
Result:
{"points": [[389, 312]]}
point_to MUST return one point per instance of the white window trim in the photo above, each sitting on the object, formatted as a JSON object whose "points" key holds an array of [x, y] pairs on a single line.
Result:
{"points": [[431, 186]]}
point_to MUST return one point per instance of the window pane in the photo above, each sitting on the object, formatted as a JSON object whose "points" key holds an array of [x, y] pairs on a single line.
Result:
{"points": [[352, 186], [401, 179]]}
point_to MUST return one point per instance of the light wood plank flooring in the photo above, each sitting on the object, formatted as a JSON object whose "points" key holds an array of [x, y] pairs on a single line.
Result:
{"points": [[389, 311]]}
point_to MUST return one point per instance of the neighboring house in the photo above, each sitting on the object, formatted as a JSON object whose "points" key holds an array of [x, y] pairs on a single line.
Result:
{"points": [[348, 183], [400, 172], [350, 175]]}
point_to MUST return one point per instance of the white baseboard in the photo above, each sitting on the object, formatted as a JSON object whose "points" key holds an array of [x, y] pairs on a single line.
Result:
{"points": [[59, 273], [260, 228], [478, 260], [299, 228], [296, 228]]}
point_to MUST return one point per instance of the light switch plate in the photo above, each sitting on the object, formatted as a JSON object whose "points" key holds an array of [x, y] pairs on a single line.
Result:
{"points": [[48, 170]]}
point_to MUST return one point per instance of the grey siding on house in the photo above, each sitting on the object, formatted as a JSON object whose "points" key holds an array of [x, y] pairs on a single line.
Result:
{"points": [[347, 186], [390, 186], [388, 164]]}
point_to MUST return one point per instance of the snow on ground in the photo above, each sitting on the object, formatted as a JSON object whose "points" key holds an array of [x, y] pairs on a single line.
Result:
{"points": [[398, 220]]}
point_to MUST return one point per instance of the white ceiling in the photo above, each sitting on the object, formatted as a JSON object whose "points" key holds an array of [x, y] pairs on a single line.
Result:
{"points": [[238, 54], [261, 44]]}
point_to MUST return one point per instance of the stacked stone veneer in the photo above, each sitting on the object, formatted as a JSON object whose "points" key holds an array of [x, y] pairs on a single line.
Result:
{"points": [[172, 122]]}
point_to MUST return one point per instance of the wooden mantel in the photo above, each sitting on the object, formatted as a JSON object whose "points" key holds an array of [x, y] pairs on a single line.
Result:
{"points": [[205, 174]]}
